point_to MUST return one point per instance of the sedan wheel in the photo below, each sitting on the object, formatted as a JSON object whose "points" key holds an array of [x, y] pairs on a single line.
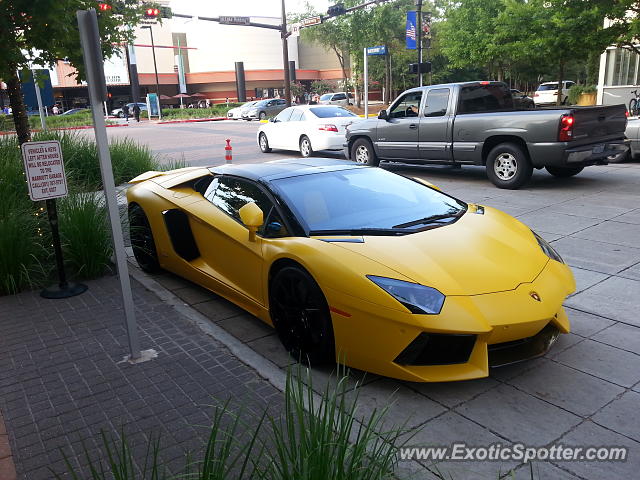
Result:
{"points": [[305, 146], [301, 316], [264, 143], [262, 116]]}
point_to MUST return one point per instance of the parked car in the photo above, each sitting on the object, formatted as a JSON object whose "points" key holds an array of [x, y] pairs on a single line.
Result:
{"points": [[547, 93], [306, 128], [475, 123], [338, 98], [632, 132], [264, 108], [118, 111], [236, 113], [72, 111], [521, 100], [358, 265]]}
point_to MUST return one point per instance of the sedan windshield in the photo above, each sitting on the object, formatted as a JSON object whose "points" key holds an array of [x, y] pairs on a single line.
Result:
{"points": [[331, 112], [366, 201]]}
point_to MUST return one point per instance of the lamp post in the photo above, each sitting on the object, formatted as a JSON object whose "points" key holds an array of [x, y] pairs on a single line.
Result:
{"points": [[419, 37], [285, 56], [153, 52]]}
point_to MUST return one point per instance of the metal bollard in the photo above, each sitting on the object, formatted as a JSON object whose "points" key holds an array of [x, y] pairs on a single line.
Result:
{"points": [[227, 151]]}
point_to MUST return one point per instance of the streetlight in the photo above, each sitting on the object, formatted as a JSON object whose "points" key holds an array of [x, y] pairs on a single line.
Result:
{"points": [[153, 51]]}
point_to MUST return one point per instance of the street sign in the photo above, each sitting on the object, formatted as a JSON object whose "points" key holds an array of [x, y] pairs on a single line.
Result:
{"points": [[295, 29], [379, 50], [44, 168], [234, 20], [307, 22]]}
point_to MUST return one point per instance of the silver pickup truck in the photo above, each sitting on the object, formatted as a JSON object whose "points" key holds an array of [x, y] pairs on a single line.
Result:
{"points": [[475, 123]]}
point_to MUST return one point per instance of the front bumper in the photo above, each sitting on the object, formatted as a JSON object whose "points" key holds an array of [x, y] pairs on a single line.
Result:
{"points": [[495, 328]]}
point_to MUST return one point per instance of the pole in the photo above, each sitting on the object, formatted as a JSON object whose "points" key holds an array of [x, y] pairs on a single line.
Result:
{"points": [[133, 73], [285, 56], [39, 99], [366, 85], [155, 69], [419, 37], [90, 41]]}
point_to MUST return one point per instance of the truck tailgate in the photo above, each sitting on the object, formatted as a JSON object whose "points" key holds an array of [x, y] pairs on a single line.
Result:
{"points": [[598, 123]]}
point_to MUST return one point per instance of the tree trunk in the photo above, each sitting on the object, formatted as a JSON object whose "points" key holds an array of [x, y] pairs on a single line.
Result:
{"points": [[341, 60], [20, 119], [560, 78]]}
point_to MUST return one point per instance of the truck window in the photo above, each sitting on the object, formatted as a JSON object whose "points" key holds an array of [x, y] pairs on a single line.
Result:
{"points": [[407, 106], [484, 98], [437, 102]]}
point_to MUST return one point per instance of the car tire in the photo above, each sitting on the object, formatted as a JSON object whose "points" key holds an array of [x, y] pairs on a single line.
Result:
{"points": [[300, 314], [263, 142], [362, 152], [142, 241], [564, 172], [262, 116], [508, 166], [305, 146], [120, 115]]}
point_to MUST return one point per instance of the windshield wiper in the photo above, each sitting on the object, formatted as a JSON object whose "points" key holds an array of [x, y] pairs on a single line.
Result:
{"points": [[358, 231], [426, 220]]}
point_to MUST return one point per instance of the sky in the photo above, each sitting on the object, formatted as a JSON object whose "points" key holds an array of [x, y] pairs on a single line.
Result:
{"points": [[247, 8]]}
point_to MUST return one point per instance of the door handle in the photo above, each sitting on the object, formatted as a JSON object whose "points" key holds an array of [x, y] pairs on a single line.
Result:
{"points": [[413, 126]]}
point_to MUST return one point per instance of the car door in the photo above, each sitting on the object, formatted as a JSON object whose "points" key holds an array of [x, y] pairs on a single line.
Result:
{"points": [[223, 241], [435, 126], [398, 136], [277, 129], [295, 129]]}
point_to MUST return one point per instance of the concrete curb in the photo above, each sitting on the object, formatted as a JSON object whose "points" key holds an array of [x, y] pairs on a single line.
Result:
{"points": [[193, 120]]}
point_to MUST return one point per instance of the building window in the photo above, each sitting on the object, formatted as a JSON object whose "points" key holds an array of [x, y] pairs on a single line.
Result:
{"points": [[621, 68]]}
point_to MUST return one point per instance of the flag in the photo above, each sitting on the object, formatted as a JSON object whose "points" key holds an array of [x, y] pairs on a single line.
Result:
{"points": [[411, 30]]}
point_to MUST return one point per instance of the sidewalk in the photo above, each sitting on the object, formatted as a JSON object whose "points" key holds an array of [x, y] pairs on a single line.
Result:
{"points": [[61, 381]]}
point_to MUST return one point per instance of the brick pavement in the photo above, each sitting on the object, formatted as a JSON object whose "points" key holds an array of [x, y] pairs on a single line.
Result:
{"points": [[61, 381]]}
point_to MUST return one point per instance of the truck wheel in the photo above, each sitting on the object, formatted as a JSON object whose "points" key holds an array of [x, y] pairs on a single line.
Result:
{"points": [[564, 172], [508, 166], [362, 152]]}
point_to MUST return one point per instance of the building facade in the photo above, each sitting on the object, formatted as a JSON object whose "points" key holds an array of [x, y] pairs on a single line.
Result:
{"points": [[195, 56], [618, 76]]}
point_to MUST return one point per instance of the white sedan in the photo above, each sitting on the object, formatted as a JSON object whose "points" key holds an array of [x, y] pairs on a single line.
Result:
{"points": [[306, 128]]}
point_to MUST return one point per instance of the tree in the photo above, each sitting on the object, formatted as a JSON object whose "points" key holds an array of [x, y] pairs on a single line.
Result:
{"points": [[39, 33], [623, 22], [553, 31]]}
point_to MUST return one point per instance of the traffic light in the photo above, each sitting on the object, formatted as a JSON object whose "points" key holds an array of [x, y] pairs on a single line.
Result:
{"points": [[335, 10], [424, 67], [151, 12], [104, 7]]}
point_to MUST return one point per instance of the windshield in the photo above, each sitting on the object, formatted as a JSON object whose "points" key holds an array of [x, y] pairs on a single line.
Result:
{"points": [[330, 112], [326, 96], [550, 86], [345, 201]]}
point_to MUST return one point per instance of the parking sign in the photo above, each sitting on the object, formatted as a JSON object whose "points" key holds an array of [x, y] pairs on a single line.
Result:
{"points": [[44, 168]]}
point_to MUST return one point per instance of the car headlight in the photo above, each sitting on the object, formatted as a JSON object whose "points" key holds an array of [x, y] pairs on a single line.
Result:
{"points": [[417, 298], [548, 250]]}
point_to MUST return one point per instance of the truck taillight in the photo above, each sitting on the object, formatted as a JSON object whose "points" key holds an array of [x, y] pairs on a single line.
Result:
{"points": [[566, 128], [328, 128]]}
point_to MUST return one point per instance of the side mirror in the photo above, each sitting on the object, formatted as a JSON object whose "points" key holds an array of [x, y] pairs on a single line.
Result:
{"points": [[252, 218], [383, 115], [272, 120]]}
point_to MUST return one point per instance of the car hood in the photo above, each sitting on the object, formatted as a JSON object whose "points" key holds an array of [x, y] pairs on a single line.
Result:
{"points": [[477, 254]]}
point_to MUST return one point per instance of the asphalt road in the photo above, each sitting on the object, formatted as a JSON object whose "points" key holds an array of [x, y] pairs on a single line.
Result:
{"points": [[201, 143]]}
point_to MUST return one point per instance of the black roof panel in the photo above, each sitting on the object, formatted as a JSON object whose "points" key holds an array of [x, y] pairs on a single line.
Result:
{"points": [[286, 167]]}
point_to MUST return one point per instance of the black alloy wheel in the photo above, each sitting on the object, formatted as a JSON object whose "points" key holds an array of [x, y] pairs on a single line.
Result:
{"points": [[142, 242], [301, 316]]}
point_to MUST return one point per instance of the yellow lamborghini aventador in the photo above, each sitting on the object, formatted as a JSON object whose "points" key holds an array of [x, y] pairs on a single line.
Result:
{"points": [[382, 272]]}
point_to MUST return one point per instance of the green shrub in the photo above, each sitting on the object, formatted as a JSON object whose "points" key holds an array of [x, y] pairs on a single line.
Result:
{"points": [[130, 159], [85, 234], [576, 90], [219, 110]]}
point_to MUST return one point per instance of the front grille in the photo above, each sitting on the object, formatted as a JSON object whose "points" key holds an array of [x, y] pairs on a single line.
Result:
{"points": [[506, 353], [437, 349]]}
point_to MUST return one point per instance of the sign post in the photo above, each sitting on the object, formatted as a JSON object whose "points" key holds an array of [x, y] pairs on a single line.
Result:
{"points": [[92, 54], [44, 168]]}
